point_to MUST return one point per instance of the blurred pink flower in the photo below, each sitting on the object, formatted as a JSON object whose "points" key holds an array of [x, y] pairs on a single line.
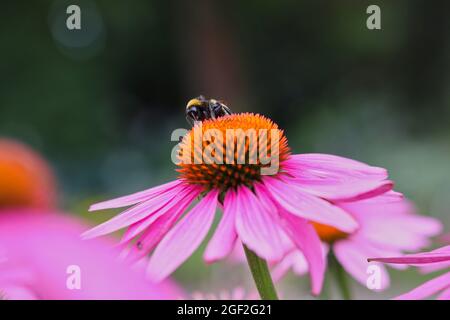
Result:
{"points": [[439, 285], [269, 214], [40, 250], [388, 225]]}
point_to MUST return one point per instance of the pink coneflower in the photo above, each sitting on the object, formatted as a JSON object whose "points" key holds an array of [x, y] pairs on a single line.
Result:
{"points": [[388, 225], [267, 213], [438, 286]]}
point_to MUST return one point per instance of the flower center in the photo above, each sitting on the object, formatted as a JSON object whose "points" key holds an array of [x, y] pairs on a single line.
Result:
{"points": [[232, 150], [327, 233], [25, 178]]}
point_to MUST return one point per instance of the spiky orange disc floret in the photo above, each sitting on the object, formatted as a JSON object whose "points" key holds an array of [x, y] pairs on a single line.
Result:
{"points": [[233, 136]]}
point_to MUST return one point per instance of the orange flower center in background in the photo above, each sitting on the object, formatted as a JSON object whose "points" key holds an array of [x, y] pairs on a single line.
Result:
{"points": [[232, 150], [329, 234], [25, 178]]}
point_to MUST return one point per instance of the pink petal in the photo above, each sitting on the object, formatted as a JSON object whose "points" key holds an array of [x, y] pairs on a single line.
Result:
{"points": [[137, 213], [418, 258], [432, 267], [155, 230], [325, 165], [385, 198], [343, 190], [291, 259], [427, 289], [445, 295], [182, 240], [309, 207], [258, 228], [224, 238], [353, 255], [135, 197], [178, 202], [308, 242]]}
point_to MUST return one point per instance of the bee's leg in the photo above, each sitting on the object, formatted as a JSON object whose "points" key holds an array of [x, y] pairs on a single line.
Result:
{"points": [[211, 111], [227, 110], [190, 120]]}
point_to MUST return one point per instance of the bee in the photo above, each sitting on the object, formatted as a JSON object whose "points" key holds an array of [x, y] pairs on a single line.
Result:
{"points": [[200, 109]]}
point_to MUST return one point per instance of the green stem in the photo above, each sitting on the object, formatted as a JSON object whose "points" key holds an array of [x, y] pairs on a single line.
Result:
{"points": [[261, 275], [341, 278]]}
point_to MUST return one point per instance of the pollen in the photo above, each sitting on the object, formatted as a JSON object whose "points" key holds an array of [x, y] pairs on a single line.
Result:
{"points": [[328, 233], [233, 150]]}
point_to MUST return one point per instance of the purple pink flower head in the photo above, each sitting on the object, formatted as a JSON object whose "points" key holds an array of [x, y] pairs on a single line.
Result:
{"points": [[388, 225], [270, 214]]}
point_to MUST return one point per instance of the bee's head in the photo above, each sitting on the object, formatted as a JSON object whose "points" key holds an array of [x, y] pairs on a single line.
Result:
{"points": [[200, 101], [196, 109]]}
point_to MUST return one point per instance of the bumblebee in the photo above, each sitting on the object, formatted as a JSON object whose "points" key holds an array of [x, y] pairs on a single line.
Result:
{"points": [[200, 109]]}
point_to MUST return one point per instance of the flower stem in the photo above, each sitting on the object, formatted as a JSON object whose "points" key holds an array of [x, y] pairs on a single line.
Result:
{"points": [[261, 275], [341, 278]]}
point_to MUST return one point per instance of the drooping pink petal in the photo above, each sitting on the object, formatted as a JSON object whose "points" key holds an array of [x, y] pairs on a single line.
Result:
{"points": [[180, 201], [325, 165], [182, 240], [427, 289], [418, 258], [224, 238], [259, 229], [335, 178], [387, 197], [436, 266], [309, 207], [137, 213], [308, 242], [352, 255], [267, 202], [343, 190], [156, 229], [134, 198]]}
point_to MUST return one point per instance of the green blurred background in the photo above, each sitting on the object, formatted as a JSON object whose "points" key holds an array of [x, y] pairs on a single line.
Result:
{"points": [[101, 102]]}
